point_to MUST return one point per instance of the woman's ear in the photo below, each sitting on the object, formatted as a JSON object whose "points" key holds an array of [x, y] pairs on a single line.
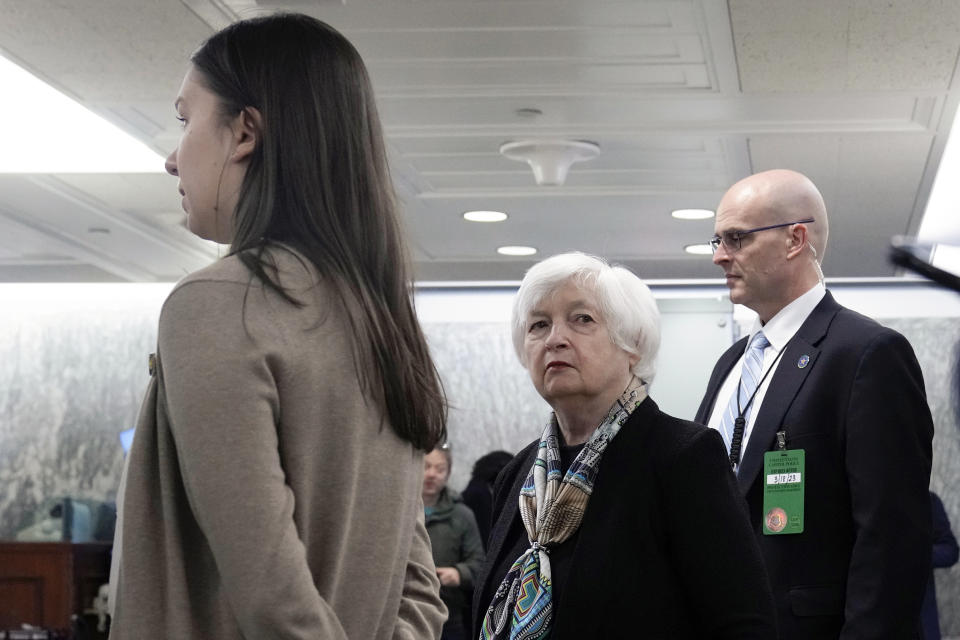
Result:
{"points": [[247, 129]]}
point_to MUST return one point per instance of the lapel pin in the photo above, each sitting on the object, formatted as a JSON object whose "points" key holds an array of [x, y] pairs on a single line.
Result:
{"points": [[803, 361]]}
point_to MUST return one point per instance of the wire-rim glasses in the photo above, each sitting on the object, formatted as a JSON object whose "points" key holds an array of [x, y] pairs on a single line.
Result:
{"points": [[731, 239]]}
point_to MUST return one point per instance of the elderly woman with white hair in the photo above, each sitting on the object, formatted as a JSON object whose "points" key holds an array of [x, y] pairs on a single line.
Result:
{"points": [[619, 521]]}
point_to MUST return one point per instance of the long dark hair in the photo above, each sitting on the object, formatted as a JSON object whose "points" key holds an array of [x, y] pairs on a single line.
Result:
{"points": [[318, 181]]}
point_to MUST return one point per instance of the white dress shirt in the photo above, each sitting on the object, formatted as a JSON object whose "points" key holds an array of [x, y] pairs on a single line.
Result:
{"points": [[779, 330]]}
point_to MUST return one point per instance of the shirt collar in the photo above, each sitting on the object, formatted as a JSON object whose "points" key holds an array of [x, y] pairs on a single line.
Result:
{"points": [[787, 322]]}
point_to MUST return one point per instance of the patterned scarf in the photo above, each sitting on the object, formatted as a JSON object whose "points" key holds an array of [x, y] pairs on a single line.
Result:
{"points": [[551, 508]]}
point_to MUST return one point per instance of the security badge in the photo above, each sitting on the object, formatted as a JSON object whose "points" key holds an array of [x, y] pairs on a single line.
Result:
{"points": [[783, 483]]}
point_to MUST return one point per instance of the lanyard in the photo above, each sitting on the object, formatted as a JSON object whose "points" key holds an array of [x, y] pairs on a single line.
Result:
{"points": [[740, 423]]}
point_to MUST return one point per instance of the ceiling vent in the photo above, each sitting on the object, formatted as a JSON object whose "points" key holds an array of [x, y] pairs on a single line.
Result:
{"points": [[550, 159]]}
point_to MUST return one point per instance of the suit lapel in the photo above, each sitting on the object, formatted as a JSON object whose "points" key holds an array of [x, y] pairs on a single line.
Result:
{"points": [[784, 386]]}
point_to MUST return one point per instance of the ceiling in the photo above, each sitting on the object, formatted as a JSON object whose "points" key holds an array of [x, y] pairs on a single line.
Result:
{"points": [[683, 97]]}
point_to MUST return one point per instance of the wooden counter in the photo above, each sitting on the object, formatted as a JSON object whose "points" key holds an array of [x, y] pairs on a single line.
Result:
{"points": [[44, 583]]}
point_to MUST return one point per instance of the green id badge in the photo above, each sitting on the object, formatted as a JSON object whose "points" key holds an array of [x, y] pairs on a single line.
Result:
{"points": [[783, 482]]}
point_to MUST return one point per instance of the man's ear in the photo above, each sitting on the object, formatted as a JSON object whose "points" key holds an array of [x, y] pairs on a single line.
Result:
{"points": [[247, 129], [797, 240]]}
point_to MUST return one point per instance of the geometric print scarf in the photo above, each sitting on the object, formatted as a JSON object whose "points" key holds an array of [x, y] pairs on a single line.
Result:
{"points": [[551, 507]]}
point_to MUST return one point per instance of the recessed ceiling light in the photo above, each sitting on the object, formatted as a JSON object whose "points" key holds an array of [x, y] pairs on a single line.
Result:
{"points": [[44, 131], [692, 214], [516, 251], [485, 216], [699, 249]]}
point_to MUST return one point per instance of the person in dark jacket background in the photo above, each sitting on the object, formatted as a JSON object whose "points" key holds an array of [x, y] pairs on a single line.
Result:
{"points": [[457, 550], [479, 492], [945, 554]]}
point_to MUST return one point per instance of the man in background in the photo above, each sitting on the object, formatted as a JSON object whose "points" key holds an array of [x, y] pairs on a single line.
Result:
{"points": [[826, 422]]}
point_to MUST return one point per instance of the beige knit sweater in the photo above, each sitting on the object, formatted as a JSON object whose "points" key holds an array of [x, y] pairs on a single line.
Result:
{"points": [[263, 498]]}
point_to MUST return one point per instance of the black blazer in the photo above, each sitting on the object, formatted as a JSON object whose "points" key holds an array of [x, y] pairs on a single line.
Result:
{"points": [[664, 549], [859, 411]]}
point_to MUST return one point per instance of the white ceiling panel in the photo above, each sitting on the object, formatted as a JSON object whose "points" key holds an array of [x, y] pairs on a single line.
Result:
{"points": [[459, 15], [111, 240], [684, 97], [128, 192], [628, 114], [20, 244], [623, 161], [479, 78], [28, 271], [861, 45], [579, 177], [882, 200], [653, 146], [108, 50], [870, 185], [918, 36], [619, 226], [817, 156], [614, 45]]}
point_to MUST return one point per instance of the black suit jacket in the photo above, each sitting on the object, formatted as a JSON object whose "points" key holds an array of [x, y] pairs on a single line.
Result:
{"points": [[859, 411], [664, 549]]}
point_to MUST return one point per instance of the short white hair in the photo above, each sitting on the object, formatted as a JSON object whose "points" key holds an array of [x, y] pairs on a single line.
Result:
{"points": [[625, 302]]}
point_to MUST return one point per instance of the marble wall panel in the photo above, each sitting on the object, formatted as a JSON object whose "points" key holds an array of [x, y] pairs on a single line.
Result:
{"points": [[936, 342], [73, 372], [73, 378], [493, 404], [73, 369], [73, 375]]}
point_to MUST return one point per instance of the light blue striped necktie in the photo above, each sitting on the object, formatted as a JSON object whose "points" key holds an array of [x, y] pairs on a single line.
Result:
{"points": [[738, 411]]}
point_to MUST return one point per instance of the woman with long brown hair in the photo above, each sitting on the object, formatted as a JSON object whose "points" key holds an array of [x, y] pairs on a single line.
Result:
{"points": [[273, 487]]}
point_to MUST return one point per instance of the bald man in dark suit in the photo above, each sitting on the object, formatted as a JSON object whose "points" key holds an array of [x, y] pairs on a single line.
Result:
{"points": [[846, 391]]}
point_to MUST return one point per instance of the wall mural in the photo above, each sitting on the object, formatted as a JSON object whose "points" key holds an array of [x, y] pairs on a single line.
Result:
{"points": [[936, 342], [74, 371], [72, 376]]}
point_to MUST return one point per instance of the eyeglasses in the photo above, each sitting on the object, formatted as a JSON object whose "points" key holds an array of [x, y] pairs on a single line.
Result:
{"points": [[731, 239]]}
